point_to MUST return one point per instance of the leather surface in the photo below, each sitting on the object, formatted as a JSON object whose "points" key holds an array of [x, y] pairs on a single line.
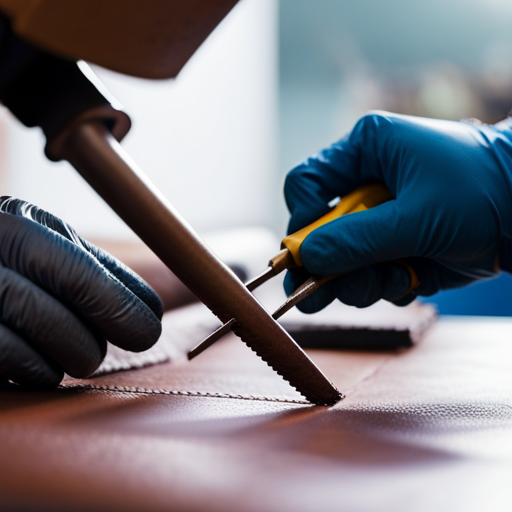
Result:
{"points": [[428, 428]]}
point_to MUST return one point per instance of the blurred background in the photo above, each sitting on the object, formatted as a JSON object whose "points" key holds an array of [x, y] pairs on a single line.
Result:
{"points": [[276, 81], [208, 139]]}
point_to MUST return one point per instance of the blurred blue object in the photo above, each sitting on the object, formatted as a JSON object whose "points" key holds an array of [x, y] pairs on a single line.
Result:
{"points": [[492, 297]]}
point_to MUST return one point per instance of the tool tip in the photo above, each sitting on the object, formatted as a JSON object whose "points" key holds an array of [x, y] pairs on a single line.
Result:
{"points": [[195, 352]]}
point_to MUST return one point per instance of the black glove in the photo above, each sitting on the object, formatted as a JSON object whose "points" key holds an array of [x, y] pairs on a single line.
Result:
{"points": [[61, 297]]}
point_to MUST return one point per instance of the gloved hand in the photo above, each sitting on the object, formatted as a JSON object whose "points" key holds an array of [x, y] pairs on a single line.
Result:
{"points": [[450, 219], [61, 297]]}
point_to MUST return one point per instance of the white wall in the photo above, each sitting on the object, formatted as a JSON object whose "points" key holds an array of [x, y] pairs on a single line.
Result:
{"points": [[207, 139]]}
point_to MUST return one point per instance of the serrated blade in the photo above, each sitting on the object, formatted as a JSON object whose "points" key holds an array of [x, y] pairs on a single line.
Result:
{"points": [[103, 163], [310, 286], [273, 344]]}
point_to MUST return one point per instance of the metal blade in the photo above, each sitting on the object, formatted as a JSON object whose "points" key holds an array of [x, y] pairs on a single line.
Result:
{"points": [[267, 274], [311, 285], [211, 339], [307, 288], [103, 163]]}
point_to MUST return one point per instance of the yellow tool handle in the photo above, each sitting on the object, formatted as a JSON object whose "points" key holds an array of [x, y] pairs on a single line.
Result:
{"points": [[361, 199]]}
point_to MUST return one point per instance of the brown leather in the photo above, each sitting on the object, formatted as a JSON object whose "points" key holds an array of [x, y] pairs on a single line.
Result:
{"points": [[152, 39], [428, 428]]}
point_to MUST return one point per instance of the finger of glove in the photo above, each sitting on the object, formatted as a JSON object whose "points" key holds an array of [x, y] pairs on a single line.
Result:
{"points": [[129, 278], [311, 185], [434, 277], [47, 325], [389, 281], [359, 240], [361, 288], [23, 364], [75, 278], [349, 163]]}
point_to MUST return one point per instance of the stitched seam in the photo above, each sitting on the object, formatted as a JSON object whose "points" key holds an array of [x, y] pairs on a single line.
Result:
{"points": [[203, 394]]}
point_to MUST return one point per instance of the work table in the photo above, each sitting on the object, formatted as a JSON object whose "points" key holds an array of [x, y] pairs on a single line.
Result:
{"points": [[427, 428]]}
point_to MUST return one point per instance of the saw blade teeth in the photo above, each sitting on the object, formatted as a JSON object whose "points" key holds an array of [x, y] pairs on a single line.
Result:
{"points": [[265, 358]]}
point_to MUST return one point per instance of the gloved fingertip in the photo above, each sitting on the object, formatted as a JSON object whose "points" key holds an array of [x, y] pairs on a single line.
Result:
{"points": [[316, 252], [138, 336], [360, 288], [50, 381], [406, 300], [85, 364], [37, 374], [316, 301], [293, 279], [396, 281], [288, 283]]}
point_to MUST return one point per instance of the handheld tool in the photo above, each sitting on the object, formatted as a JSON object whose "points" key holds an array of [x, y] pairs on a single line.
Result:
{"points": [[93, 151], [43, 85], [361, 199]]}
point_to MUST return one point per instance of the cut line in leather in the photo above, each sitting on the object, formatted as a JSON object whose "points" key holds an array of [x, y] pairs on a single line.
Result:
{"points": [[202, 394]]}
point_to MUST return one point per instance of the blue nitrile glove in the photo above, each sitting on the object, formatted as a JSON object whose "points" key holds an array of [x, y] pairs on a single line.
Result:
{"points": [[61, 297], [451, 219]]}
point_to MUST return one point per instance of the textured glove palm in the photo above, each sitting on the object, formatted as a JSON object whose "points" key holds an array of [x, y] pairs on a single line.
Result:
{"points": [[451, 216], [62, 297]]}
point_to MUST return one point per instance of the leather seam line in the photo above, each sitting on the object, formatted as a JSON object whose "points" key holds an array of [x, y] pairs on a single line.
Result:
{"points": [[202, 394], [375, 371]]}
